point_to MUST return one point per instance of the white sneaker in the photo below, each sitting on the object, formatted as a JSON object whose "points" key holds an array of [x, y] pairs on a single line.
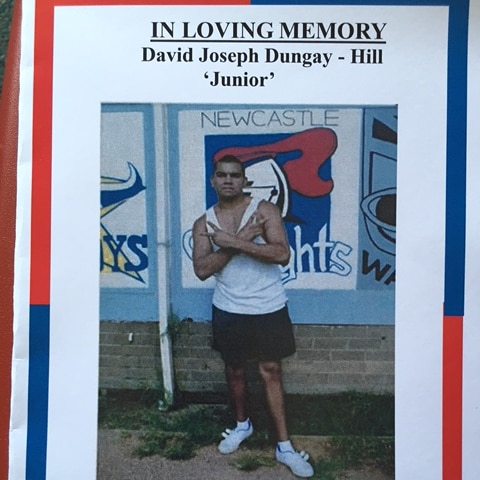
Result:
{"points": [[233, 438], [296, 461]]}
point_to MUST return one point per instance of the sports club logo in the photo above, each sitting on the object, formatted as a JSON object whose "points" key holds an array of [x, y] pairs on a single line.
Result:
{"points": [[303, 169], [379, 185], [379, 200], [119, 252], [294, 172]]}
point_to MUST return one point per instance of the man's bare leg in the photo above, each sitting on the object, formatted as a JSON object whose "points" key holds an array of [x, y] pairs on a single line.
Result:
{"points": [[271, 373], [238, 390], [237, 385]]}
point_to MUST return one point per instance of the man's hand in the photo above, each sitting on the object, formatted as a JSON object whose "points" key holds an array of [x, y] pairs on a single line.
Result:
{"points": [[252, 229], [207, 262], [266, 222], [221, 238]]}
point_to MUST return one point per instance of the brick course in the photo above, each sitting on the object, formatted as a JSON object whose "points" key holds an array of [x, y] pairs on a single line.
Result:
{"points": [[328, 359]]}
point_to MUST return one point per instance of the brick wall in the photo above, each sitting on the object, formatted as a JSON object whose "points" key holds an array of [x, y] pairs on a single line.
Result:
{"points": [[328, 359], [129, 355]]}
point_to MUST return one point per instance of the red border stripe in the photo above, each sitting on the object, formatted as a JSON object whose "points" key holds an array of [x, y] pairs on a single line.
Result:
{"points": [[452, 397], [94, 3], [41, 155]]}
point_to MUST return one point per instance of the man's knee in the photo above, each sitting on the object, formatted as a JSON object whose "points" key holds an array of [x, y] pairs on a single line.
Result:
{"points": [[235, 373], [270, 371]]}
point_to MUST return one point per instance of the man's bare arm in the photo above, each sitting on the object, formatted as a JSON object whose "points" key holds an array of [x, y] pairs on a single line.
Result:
{"points": [[276, 248], [206, 261]]}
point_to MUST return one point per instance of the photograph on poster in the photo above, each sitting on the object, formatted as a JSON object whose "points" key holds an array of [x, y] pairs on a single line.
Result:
{"points": [[331, 171]]}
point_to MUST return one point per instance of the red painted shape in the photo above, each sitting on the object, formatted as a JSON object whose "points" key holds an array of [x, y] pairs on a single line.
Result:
{"points": [[452, 397], [314, 147]]}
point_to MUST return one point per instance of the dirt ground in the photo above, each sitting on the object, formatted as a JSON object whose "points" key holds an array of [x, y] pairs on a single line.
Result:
{"points": [[117, 462]]}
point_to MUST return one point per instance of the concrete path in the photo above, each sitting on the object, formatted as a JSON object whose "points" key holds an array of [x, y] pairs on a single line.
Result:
{"points": [[117, 462]]}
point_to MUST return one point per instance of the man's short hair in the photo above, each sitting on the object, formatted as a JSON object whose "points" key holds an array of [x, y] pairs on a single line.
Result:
{"points": [[229, 159]]}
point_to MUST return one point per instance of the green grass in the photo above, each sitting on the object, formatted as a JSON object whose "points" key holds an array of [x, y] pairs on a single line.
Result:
{"points": [[360, 426], [349, 413], [327, 469], [250, 461], [172, 445], [364, 450]]}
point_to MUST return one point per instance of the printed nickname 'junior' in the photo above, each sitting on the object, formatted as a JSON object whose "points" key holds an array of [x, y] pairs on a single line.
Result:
{"points": [[242, 242]]}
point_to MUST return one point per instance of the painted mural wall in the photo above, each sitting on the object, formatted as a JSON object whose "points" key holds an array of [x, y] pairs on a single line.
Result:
{"points": [[128, 266], [331, 170]]}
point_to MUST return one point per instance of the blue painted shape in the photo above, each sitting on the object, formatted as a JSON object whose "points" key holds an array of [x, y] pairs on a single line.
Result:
{"points": [[108, 198], [309, 307], [38, 371], [312, 213]]}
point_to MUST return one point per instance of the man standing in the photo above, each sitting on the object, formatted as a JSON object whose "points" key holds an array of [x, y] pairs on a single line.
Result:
{"points": [[242, 241]]}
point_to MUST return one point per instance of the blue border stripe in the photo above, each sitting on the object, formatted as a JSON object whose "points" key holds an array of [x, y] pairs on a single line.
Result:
{"points": [[38, 369], [455, 221], [360, 3]]}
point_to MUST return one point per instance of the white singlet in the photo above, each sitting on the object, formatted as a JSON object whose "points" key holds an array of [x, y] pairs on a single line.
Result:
{"points": [[246, 285]]}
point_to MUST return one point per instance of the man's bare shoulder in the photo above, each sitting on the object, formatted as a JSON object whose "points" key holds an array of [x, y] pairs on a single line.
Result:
{"points": [[267, 208], [200, 223]]}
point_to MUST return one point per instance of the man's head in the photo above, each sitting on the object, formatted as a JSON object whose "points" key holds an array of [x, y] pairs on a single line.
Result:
{"points": [[228, 178], [229, 159]]}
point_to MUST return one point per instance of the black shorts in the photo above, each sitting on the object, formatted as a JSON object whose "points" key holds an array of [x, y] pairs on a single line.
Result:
{"points": [[239, 337]]}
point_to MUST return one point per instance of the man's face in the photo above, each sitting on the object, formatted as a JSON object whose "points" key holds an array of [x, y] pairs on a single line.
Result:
{"points": [[228, 180]]}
